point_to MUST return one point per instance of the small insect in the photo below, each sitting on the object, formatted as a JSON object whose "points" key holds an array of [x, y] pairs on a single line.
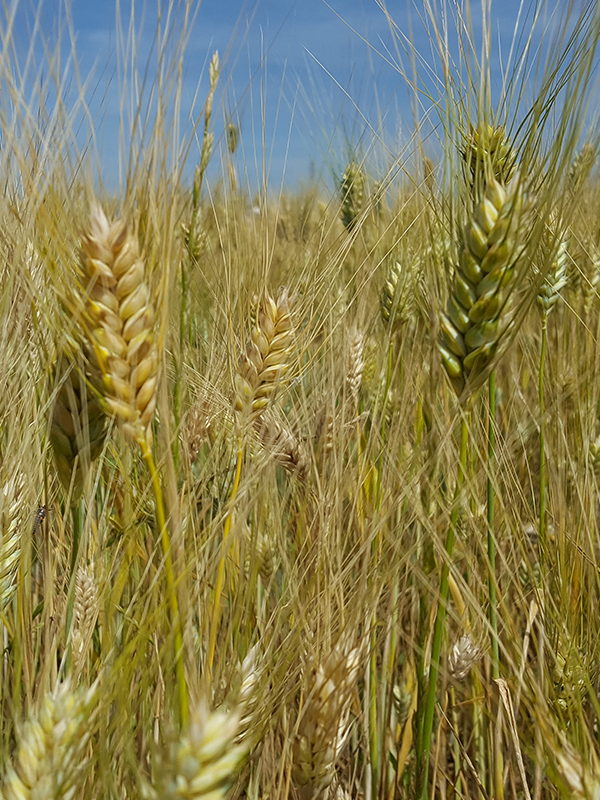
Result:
{"points": [[40, 516]]}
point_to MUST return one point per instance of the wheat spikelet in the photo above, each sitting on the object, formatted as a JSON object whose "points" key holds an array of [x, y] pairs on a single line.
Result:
{"points": [[494, 240], [325, 719], [121, 322], [352, 192], [51, 759], [324, 427], [266, 358], [556, 279], [487, 154], [206, 761], [85, 614], [77, 431], [197, 427], [263, 549], [582, 165], [283, 446], [11, 512], [579, 776], [397, 297], [463, 656], [355, 363]]}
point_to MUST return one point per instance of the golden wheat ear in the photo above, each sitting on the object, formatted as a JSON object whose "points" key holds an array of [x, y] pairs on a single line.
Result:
{"points": [[121, 321], [266, 360]]}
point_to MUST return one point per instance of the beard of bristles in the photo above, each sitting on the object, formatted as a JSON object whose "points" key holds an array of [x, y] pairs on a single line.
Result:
{"points": [[266, 359], [121, 322]]}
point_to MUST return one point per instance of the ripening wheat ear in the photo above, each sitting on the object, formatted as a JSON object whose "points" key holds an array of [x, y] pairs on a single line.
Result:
{"points": [[78, 426], [325, 719], [495, 238], [266, 359], [11, 511], [121, 322], [207, 759], [52, 754], [85, 614]]}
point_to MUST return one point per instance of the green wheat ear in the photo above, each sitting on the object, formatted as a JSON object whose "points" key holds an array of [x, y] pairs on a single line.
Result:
{"points": [[478, 312], [487, 153], [352, 193]]}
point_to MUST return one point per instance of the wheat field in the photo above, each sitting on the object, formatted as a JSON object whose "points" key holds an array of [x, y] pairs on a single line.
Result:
{"points": [[299, 489]]}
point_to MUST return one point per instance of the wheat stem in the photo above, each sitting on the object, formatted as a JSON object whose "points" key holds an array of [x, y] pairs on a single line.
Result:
{"points": [[542, 528], [170, 576], [424, 745], [216, 614]]}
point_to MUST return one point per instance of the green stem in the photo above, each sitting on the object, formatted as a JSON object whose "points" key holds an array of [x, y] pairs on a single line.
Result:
{"points": [[424, 745], [498, 765], [493, 612], [170, 576]]}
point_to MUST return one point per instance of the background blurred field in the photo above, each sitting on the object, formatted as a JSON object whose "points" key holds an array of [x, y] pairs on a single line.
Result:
{"points": [[274, 522]]}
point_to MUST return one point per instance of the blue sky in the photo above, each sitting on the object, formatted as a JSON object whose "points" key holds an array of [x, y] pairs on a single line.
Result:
{"points": [[328, 75]]}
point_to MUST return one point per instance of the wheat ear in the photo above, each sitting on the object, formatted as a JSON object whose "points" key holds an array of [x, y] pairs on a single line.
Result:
{"points": [[352, 193], [325, 719], [11, 511], [494, 240], [206, 761], [488, 153], [266, 359], [85, 614], [78, 428], [283, 446], [51, 760], [121, 320]]}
